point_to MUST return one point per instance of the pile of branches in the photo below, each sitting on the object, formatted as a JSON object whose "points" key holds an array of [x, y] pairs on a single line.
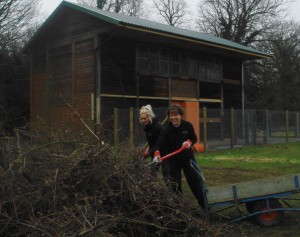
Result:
{"points": [[75, 188]]}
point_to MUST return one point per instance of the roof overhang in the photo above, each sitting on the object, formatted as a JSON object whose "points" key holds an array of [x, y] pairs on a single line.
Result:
{"points": [[149, 31]]}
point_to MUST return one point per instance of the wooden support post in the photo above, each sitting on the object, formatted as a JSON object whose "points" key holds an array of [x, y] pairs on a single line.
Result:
{"points": [[204, 129], [297, 125], [266, 127], [254, 127], [270, 118], [287, 126], [247, 127], [131, 126], [92, 107], [98, 111], [232, 127], [222, 124], [222, 113], [116, 127]]}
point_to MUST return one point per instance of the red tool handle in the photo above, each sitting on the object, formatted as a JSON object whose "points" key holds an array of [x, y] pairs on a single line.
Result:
{"points": [[174, 153]]}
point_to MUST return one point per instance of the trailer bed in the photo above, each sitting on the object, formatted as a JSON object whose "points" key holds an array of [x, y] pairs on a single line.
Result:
{"points": [[254, 188]]}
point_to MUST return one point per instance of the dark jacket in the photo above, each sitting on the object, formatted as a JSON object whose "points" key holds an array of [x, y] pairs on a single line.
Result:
{"points": [[152, 132], [171, 139]]}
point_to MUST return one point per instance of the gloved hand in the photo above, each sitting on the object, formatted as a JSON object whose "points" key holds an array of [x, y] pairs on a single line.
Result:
{"points": [[187, 144], [145, 154], [156, 157]]}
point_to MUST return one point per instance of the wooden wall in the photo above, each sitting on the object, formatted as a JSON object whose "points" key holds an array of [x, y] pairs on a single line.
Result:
{"points": [[63, 73], [117, 77], [39, 91], [65, 70], [157, 74]]}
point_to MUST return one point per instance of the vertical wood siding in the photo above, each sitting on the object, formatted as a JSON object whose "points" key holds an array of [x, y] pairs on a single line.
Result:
{"points": [[118, 66], [184, 88], [60, 86], [63, 76], [84, 76], [39, 106]]}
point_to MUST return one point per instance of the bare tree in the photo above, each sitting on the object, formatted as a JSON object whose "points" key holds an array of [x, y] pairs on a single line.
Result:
{"points": [[134, 8], [19, 20], [15, 18], [91, 3], [242, 21], [106, 5], [127, 7], [275, 83], [172, 11]]}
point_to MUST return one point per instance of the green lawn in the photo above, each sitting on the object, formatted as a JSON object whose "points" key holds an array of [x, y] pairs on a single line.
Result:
{"points": [[276, 159]]}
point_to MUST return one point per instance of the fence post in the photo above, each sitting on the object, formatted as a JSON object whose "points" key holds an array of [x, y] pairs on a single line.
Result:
{"points": [[232, 127], [246, 119], [294, 114], [297, 124], [287, 126], [131, 126], [222, 125], [266, 127], [254, 127], [116, 125], [204, 129]]}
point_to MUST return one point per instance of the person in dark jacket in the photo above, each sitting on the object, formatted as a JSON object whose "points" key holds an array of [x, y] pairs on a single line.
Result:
{"points": [[152, 128], [177, 133]]}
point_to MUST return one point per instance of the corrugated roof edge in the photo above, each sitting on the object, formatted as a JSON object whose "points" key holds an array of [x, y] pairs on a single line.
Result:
{"points": [[42, 26], [120, 19], [123, 20]]}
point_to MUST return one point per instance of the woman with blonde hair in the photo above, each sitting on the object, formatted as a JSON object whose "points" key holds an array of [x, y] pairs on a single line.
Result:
{"points": [[152, 128]]}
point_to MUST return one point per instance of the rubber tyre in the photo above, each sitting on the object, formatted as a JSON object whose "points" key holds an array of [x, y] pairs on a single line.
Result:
{"points": [[267, 218]]}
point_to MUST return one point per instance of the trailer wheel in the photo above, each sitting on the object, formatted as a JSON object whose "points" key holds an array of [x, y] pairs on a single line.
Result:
{"points": [[268, 218]]}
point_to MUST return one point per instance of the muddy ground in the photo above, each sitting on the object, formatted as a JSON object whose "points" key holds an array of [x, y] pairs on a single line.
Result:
{"points": [[289, 227]]}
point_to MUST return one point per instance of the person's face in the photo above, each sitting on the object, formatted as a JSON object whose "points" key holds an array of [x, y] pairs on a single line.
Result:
{"points": [[144, 119], [175, 117]]}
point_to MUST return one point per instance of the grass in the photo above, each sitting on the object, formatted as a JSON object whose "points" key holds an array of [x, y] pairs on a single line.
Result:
{"points": [[279, 159]]}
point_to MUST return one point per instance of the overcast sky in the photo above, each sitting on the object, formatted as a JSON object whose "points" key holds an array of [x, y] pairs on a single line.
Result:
{"points": [[49, 6]]}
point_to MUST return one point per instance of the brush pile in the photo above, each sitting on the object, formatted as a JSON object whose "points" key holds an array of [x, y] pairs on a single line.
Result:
{"points": [[76, 188]]}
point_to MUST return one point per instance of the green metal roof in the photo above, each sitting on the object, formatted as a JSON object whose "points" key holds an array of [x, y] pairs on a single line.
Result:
{"points": [[154, 27]]}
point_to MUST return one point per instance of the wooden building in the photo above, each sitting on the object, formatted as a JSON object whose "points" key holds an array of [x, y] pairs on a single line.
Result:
{"points": [[86, 61]]}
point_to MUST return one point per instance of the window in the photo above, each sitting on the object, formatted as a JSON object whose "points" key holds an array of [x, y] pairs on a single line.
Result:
{"points": [[157, 61], [214, 69]]}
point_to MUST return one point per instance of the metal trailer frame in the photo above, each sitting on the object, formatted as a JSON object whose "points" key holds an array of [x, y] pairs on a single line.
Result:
{"points": [[266, 208], [271, 209]]}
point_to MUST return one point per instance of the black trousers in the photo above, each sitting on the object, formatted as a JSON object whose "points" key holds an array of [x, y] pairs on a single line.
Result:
{"points": [[192, 178]]}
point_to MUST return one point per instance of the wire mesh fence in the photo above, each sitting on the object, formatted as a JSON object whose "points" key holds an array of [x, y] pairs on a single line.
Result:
{"points": [[219, 128]]}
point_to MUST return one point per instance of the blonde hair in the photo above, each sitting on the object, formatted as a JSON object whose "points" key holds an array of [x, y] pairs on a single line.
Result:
{"points": [[147, 109]]}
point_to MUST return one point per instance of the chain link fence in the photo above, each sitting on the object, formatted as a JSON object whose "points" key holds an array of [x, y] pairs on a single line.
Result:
{"points": [[219, 129]]}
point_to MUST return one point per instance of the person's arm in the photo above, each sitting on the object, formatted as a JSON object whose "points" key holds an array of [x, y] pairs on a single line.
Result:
{"points": [[160, 145], [161, 141], [157, 129], [192, 137]]}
